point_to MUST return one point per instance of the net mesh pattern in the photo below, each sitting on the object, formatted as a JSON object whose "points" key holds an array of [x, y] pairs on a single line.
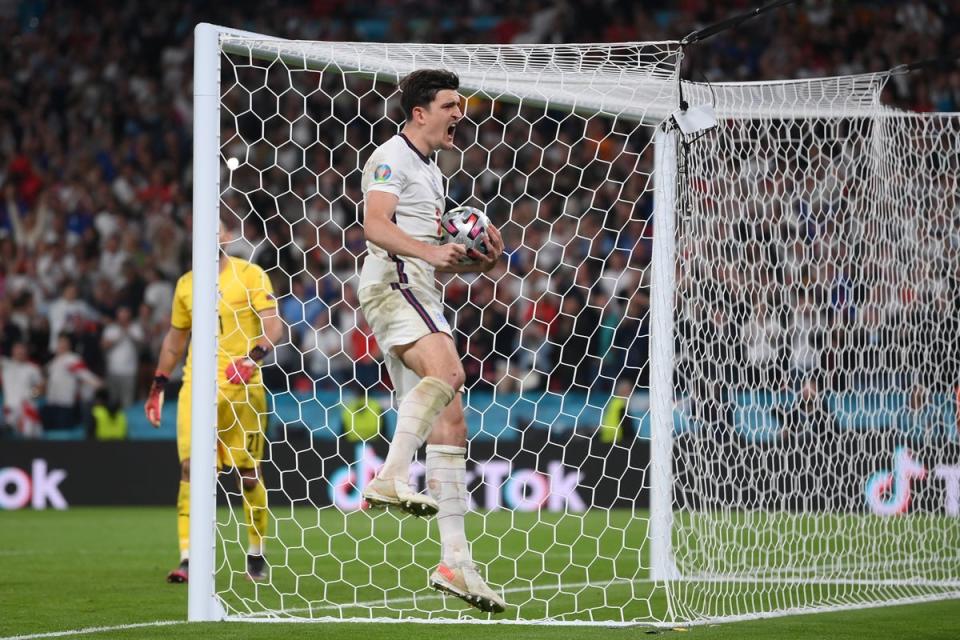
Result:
{"points": [[817, 314], [815, 431], [556, 149]]}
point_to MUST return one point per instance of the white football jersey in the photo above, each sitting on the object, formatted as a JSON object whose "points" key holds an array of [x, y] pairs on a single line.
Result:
{"points": [[399, 168]]}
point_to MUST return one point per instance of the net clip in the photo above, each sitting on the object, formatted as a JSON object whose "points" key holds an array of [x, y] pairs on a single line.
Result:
{"points": [[695, 119]]}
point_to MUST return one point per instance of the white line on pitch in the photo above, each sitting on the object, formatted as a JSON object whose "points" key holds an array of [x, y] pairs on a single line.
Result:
{"points": [[80, 632], [436, 596]]}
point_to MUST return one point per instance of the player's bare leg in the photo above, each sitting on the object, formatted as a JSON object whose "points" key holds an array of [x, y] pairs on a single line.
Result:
{"points": [[182, 572], [446, 481], [434, 358]]}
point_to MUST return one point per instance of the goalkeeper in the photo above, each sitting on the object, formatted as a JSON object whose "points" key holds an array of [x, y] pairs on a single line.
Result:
{"points": [[248, 328], [403, 199]]}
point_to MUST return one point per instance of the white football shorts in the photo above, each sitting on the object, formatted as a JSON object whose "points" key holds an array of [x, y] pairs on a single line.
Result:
{"points": [[401, 314]]}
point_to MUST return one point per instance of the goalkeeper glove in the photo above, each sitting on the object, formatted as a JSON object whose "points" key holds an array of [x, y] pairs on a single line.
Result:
{"points": [[154, 404], [242, 369]]}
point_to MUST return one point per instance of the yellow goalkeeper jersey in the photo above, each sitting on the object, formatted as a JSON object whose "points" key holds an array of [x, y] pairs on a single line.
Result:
{"points": [[244, 290]]}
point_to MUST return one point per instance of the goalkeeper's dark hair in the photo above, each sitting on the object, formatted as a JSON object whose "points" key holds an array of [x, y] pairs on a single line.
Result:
{"points": [[419, 88]]}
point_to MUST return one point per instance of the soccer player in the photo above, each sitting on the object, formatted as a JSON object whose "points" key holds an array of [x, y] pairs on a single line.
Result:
{"points": [[249, 327], [403, 198]]}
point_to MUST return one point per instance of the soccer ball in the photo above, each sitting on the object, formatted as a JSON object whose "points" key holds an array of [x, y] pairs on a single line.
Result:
{"points": [[466, 226]]}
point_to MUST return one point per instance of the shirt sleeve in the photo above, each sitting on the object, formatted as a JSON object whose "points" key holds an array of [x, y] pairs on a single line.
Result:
{"points": [[180, 315], [260, 289], [383, 173]]}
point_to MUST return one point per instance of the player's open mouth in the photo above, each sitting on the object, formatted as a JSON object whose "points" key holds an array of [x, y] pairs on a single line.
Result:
{"points": [[451, 129]]}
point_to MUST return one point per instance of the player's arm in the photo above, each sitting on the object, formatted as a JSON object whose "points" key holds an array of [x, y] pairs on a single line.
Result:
{"points": [[172, 350], [481, 263], [86, 376], [379, 229], [272, 328], [242, 369]]}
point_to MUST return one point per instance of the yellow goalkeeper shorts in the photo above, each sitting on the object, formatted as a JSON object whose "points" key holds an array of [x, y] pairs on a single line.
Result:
{"points": [[241, 420]]}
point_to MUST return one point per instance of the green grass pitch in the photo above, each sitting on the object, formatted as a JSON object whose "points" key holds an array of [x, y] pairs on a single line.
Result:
{"points": [[105, 567]]}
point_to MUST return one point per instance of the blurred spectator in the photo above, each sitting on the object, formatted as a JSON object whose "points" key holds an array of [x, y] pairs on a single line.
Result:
{"points": [[627, 357], [321, 345], [158, 294], [26, 324], [132, 285], [363, 420], [365, 355], [109, 419], [69, 383], [96, 214], [69, 313], [807, 329], [112, 260], [55, 266], [616, 426], [576, 364], [927, 424], [22, 384], [29, 223], [810, 439], [26, 180], [121, 344], [763, 337], [300, 309]]}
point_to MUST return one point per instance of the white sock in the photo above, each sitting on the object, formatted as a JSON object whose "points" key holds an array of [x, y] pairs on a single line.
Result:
{"points": [[446, 482], [255, 549], [415, 418], [185, 555]]}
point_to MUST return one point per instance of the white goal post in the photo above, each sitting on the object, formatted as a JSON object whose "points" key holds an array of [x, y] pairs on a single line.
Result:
{"points": [[202, 602], [753, 266]]}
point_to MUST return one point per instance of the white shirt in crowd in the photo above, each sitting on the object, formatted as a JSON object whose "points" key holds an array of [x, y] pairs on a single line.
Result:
{"points": [[21, 380], [805, 355], [159, 296], [762, 336], [111, 264], [65, 315], [65, 375], [320, 347], [53, 268], [122, 353], [620, 282]]}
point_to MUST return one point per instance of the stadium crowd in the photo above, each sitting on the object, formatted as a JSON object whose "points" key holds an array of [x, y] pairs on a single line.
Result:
{"points": [[95, 218]]}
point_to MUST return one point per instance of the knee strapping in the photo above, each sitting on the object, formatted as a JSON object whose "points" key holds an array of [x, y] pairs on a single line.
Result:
{"points": [[423, 404]]}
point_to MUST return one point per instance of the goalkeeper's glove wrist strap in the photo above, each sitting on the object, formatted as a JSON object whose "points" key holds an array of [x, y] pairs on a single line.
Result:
{"points": [[160, 379], [258, 353]]}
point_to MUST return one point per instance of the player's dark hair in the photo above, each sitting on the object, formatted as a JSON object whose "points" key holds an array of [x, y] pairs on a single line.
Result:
{"points": [[420, 88]]}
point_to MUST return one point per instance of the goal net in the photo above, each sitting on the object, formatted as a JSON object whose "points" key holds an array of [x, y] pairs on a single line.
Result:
{"points": [[817, 311], [636, 455]]}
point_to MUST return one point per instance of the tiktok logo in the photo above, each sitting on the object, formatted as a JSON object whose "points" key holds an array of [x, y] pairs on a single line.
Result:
{"points": [[888, 493], [496, 484], [17, 489]]}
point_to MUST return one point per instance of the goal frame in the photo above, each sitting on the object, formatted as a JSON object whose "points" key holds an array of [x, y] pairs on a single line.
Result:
{"points": [[203, 604], [212, 41]]}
